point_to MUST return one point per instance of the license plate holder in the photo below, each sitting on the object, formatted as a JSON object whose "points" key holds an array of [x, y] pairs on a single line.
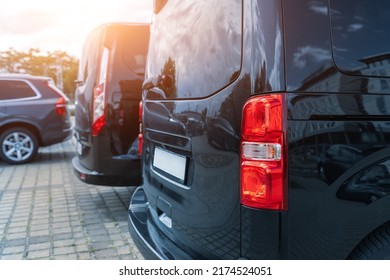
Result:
{"points": [[170, 163]]}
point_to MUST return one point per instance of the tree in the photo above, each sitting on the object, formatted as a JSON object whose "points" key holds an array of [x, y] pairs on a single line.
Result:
{"points": [[58, 65]]}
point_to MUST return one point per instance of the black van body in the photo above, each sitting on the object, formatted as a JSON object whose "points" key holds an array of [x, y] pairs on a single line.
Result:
{"points": [[111, 73], [266, 127]]}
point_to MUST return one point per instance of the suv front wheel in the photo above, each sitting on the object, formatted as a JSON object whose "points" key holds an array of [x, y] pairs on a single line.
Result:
{"points": [[18, 145]]}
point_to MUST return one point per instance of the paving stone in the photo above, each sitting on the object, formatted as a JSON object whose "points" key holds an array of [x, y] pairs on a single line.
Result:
{"points": [[41, 254], [64, 243], [84, 256], [47, 213], [12, 230], [39, 246], [39, 239], [106, 254], [36, 233], [72, 256], [64, 250], [12, 257], [101, 245], [18, 235], [37, 227], [13, 250], [82, 248], [15, 242]]}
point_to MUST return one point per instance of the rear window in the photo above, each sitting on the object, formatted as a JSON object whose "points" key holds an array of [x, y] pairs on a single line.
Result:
{"points": [[197, 44], [135, 47], [361, 36], [11, 90], [51, 85]]}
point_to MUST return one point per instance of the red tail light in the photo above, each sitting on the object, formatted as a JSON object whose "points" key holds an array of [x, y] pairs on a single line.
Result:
{"points": [[98, 125], [62, 100], [140, 143], [140, 112], [99, 96], [140, 136], [263, 153], [61, 106]]}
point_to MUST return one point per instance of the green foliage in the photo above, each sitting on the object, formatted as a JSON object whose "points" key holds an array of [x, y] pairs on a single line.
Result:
{"points": [[58, 65]]}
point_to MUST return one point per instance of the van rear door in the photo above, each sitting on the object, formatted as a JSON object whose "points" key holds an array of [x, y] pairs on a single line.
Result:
{"points": [[191, 126], [125, 84]]}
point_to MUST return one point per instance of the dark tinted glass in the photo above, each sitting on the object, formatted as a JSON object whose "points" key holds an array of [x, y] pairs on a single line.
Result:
{"points": [[135, 48], [196, 46], [361, 36], [308, 51], [15, 90]]}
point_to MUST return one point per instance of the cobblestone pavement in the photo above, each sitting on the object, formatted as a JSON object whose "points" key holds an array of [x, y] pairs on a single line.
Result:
{"points": [[47, 213]]}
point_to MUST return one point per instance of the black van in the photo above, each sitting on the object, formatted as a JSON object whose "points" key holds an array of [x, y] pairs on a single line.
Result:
{"points": [[266, 127], [109, 85]]}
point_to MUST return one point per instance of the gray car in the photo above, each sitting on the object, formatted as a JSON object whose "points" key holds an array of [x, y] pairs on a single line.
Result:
{"points": [[33, 113]]}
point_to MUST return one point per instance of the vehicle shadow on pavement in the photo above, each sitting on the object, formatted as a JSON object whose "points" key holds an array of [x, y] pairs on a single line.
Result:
{"points": [[55, 153]]}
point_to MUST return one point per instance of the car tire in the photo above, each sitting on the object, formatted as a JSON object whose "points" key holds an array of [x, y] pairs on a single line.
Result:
{"points": [[18, 145], [375, 246]]}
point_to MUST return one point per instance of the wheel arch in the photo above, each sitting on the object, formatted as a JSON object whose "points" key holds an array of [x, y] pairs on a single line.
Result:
{"points": [[33, 128], [373, 245]]}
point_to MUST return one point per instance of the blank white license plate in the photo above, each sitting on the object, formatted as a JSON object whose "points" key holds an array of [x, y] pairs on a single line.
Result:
{"points": [[170, 163]]}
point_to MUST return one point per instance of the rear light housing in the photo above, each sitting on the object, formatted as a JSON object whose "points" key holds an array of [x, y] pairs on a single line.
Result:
{"points": [[263, 153], [61, 106], [61, 102], [140, 136], [99, 96]]}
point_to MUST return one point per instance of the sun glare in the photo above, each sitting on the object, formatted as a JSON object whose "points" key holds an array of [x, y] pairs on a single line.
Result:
{"points": [[63, 25]]}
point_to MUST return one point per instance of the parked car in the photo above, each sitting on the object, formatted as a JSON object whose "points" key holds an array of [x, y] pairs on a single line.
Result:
{"points": [[290, 80], [33, 113], [108, 93]]}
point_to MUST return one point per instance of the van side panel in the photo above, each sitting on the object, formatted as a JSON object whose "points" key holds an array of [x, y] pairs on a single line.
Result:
{"points": [[338, 138], [193, 115]]}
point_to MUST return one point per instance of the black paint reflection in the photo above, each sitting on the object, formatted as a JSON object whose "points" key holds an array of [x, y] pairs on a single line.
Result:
{"points": [[339, 56], [196, 49], [354, 29], [368, 185]]}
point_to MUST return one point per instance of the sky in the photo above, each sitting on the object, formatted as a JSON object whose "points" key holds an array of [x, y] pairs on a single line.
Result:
{"points": [[63, 25]]}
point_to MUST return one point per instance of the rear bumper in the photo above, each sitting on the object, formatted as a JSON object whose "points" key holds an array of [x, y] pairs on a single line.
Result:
{"points": [[57, 136], [150, 241], [130, 178]]}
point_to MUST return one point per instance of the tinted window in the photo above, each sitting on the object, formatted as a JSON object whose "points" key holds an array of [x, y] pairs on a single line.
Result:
{"points": [[135, 48], [361, 36], [15, 90], [197, 45], [308, 51]]}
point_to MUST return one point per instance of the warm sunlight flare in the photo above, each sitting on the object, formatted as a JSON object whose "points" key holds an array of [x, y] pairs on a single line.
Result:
{"points": [[62, 25]]}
